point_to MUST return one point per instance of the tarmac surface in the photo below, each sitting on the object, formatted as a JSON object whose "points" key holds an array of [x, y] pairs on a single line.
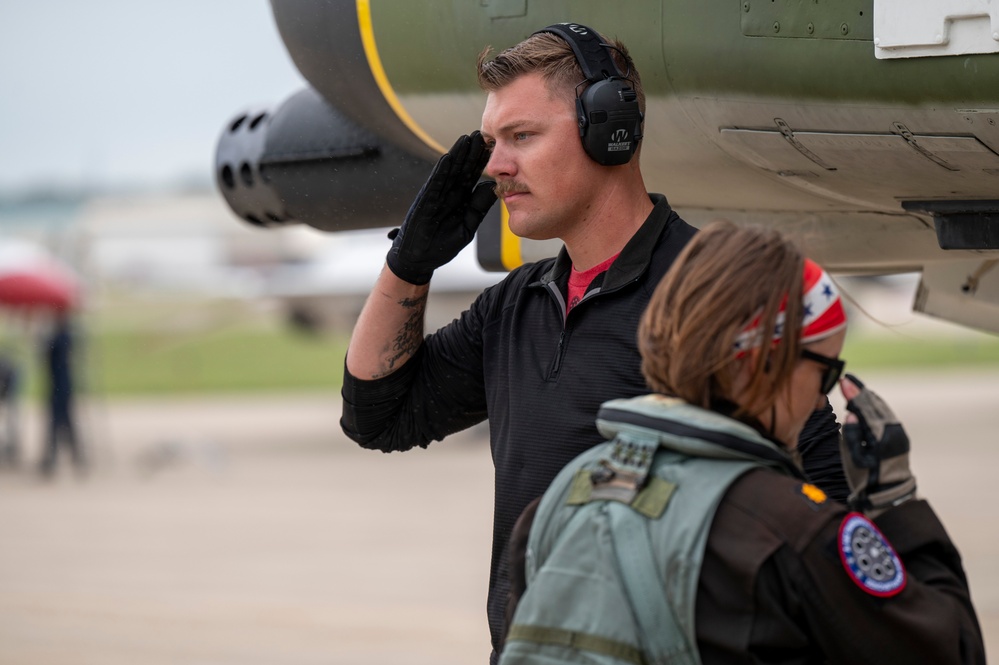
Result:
{"points": [[248, 530]]}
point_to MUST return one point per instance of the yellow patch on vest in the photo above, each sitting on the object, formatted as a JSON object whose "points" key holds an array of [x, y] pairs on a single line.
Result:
{"points": [[813, 493]]}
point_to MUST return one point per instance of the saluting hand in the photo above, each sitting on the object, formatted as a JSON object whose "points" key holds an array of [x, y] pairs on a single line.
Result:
{"points": [[445, 214]]}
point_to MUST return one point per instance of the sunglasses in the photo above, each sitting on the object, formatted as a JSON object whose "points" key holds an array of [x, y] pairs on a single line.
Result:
{"points": [[834, 369]]}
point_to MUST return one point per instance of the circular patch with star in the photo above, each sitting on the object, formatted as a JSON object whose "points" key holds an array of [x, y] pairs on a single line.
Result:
{"points": [[869, 558]]}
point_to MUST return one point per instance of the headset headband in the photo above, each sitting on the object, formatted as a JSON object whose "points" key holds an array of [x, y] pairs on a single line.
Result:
{"points": [[607, 111], [593, 56]]}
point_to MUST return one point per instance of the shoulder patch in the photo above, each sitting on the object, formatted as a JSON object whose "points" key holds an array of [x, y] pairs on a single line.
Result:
{"points": [[868, 557]]}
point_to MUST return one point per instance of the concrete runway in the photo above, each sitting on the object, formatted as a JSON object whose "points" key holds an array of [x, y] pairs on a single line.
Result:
{"points": [[244, 530]]}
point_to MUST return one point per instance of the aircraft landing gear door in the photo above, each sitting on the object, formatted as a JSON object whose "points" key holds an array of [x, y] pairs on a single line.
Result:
{"points": [[873, 170], [965, 292]]}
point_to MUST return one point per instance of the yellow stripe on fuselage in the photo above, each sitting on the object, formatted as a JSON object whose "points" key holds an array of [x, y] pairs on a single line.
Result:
{"points": [[510, 254], [375, 63]]}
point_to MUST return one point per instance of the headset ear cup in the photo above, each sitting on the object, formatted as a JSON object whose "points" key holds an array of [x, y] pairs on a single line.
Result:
{"points": [[613, 119]]}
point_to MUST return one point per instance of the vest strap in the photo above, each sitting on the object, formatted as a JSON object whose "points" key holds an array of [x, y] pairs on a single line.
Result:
{"points": [[576, 640], [662, 637]]}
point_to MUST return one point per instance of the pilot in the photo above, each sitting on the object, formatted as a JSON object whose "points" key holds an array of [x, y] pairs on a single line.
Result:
{"points": [[693, 537], [539, 352]]}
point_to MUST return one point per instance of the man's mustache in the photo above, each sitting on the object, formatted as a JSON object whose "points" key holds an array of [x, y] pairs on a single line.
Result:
{"points": [[505, 187]]}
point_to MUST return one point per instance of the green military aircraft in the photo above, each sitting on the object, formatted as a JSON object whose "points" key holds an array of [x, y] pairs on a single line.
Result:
{"points": [[868, 129]]}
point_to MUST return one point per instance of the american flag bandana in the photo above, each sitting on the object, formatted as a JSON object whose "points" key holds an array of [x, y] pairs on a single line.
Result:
{"points": [[823, 313]]}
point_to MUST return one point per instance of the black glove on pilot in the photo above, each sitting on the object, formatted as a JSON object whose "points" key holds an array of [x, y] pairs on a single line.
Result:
{"points": [[875, 453], [445, 214]]}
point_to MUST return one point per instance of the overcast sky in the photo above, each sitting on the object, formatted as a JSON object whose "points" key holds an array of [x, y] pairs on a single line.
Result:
{"points": [[129, 92]]}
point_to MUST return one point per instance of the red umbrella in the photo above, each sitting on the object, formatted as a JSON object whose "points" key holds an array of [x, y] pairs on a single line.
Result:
{"points": [[47, 286]]}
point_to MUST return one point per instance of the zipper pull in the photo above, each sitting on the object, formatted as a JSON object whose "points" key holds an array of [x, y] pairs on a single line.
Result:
{"points": [[558, 353]]}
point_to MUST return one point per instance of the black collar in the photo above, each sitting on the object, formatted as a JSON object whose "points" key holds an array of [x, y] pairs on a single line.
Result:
{"points": [[634, 258], [729, 408]]}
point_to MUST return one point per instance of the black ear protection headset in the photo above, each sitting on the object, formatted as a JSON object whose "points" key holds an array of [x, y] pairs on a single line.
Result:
{"points": [[610, 124]]}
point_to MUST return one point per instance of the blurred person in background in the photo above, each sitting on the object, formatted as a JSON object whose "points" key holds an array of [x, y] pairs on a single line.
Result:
{"points": [[59, 356], [10, 384]]}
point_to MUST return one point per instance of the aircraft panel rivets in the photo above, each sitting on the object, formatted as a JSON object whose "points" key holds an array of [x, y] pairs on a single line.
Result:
{"points": [[810, 28], [776, 26], [844, 29]]}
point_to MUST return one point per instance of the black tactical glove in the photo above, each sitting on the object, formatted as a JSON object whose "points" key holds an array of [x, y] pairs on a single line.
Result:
{"points": [[446, 213], [875, 452]]}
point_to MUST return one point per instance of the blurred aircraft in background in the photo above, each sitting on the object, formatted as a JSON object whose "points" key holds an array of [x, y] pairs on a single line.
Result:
{"points": [[868, 129], [327, 290]]}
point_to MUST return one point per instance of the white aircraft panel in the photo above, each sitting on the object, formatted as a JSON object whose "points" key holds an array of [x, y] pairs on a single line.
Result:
{"points": [[922, 28]]}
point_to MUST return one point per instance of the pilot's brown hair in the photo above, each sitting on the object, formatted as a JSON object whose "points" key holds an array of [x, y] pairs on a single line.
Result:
{"points": [[726, 278], [553, 58]]}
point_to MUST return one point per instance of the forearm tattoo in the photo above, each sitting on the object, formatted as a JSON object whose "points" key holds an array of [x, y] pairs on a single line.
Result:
{"points": [[410, 335]]}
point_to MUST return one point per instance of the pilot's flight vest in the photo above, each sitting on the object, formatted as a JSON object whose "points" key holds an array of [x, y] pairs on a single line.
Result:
{"points": [[616, 546]]}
